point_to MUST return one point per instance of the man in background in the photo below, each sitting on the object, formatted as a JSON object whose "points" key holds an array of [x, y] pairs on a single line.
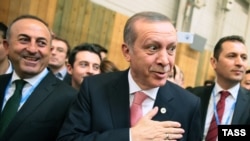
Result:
{"points": [[5, 64], [229, 62], [60, 51], [84, 60], [245, 82]]}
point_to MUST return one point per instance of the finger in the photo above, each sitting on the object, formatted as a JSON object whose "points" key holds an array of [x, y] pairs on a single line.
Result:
{"points": [[152, 113], [172, 124]]}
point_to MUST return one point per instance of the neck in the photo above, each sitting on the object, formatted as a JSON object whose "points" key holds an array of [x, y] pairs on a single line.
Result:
{"points": [[56, 69], [4, 66]]}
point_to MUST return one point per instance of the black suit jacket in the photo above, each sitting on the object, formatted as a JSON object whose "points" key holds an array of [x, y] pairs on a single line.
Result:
{"points": [[41, 116], [242, 108], [102, 110]]}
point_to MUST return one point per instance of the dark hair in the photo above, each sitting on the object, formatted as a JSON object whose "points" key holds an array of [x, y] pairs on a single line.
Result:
{"points": [[100, 48], [4, 29], [208, 83], [174, 71], [82, 47], [129, 33], [218, 46], [66, 42], [26, 17], [247, 71], [108, 66]]}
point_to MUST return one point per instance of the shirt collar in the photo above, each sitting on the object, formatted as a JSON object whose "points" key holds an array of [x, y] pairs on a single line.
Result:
{"points": [[33, 80], [233, 90], [133, 87], [63, 71]]}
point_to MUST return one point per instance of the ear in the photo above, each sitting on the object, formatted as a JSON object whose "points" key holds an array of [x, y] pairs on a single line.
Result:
{"points": [[69, 69], [6, 46], [213, 62], [126, 51]]}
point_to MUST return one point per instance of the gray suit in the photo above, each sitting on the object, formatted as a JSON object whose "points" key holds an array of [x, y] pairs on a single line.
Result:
{"points": [[41, 116]]}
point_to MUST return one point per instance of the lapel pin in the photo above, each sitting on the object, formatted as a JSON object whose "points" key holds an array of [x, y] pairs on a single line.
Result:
{"points": [[163, 110]]}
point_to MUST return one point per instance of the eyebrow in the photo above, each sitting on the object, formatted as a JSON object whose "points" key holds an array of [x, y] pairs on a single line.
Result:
{"points": [[39, 38]]}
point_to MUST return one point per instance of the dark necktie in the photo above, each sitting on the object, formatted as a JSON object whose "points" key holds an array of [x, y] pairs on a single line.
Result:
{"points": [[59, 76], [213, 129], [136, 107], [11, 106]]}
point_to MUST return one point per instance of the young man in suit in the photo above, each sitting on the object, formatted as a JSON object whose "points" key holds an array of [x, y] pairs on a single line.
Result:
{"points": [[102, 110], [60, 51], [5, 64], [44, 99], [229, 62], [84, 60]]}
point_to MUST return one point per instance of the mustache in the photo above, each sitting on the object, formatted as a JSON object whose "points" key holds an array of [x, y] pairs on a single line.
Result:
{"points": [[29, 55], [160, 69]]}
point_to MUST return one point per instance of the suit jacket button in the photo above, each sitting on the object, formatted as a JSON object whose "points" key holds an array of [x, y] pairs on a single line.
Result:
{"points": [[163, 110]]}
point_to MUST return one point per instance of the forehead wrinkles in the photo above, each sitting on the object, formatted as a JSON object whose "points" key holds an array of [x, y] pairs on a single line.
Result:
{"points": [[31, 26], [156, 29]]}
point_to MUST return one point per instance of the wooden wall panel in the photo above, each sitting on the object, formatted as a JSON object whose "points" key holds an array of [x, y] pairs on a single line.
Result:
{"points": [[58, 17], [13, 10], [4, 11], [107, 28], [187, 60], [76, 37], [50, 14], [115, 52], [24, 7], [34, 5], [81, 21]]}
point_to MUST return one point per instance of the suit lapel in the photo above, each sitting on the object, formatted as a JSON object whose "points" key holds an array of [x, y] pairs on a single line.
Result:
{"points": [[4, 81], [40, 93], [205, 97], [242, 101], [119, 101], [165, 101]]}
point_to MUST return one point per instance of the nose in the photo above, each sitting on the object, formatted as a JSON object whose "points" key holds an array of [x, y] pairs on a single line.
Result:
{"points": [[163, 58], [90, 70], [240, 61], [32, 47]]}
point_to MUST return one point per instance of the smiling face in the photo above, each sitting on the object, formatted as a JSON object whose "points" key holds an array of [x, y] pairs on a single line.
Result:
{"points": [[29, 46], [153, 53], [86, 64]]}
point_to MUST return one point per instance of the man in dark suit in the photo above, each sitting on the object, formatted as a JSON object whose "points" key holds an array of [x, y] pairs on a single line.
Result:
{"points": [[44, 99], [58, 60], [102, 110], [229, 62]]}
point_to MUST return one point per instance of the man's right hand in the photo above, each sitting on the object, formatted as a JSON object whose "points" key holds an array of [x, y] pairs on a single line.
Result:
{"points": [[148, 129]]}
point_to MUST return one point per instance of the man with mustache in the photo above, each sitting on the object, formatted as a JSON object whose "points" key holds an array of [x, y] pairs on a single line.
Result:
{"points": [[33, 102], [168, 112], [229, 62]]}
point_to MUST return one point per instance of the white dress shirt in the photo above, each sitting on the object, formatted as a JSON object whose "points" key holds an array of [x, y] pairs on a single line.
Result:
{"points": [[229, 106], [27, 89]]}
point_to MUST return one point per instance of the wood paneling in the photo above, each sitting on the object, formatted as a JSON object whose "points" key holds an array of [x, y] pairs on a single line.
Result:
{"points": [[187, 60], [4, 10], [81, 21], [115, 53]]}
